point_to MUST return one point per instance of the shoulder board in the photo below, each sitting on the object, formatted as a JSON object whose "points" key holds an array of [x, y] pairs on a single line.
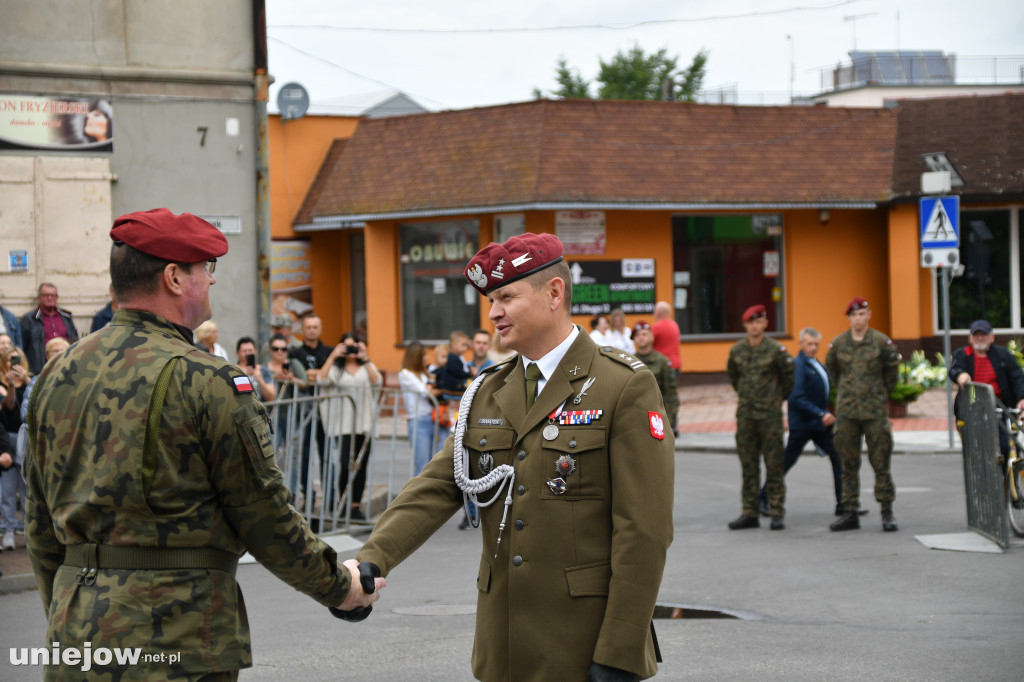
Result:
{"points": [[623, 357]]}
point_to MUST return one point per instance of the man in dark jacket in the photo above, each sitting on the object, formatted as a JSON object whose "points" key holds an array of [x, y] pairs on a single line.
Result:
{"points": [[809, 416], [46, 322], [983, 362]]}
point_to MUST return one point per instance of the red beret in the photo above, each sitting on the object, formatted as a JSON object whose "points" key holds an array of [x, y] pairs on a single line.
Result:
{"points": [[640, 325], [159, 233], [496, 265], [856, 304], [754, 311]]}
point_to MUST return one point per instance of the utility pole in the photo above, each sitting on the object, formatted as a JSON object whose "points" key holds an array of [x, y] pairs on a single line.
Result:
{"points": [[853, 22]]}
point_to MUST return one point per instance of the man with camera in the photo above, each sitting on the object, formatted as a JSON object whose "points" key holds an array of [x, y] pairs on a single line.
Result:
{"points": [[260, 375]]}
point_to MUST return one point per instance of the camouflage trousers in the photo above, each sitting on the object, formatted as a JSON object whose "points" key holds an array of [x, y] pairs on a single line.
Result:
{"points": [[878, 434], [754, 438]]}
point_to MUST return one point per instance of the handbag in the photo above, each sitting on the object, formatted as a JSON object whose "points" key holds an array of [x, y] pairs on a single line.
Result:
{"points": [[439, 415]]}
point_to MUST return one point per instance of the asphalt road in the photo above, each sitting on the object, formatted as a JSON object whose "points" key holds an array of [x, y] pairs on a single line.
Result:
{"points": [[817, 605]]}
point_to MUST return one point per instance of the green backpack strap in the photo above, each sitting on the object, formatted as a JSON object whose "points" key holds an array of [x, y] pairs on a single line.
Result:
{"points": [[156, 409]]}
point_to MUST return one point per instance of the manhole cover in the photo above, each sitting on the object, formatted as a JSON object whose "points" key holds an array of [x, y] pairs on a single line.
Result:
{"points": [[437, 610], [690, 611]]}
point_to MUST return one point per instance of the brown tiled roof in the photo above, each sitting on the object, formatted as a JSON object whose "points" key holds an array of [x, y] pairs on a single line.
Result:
{"points": [[983, 137], [601, 152]]}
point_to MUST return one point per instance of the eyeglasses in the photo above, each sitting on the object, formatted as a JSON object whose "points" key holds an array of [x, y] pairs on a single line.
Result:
{"points": [[279, 348], [209, 266]]}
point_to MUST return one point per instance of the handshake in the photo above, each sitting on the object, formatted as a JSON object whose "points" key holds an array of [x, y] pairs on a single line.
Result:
{"points": [[365, 589]]}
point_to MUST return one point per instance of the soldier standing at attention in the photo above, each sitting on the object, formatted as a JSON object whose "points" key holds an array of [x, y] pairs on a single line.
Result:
{"points": [[567, 453], [152, 470], [761, 371], [864, 364], [661, 368]]}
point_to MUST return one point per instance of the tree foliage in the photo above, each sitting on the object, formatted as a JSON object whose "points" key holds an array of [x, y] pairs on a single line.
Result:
{"points": [[634, 75]]}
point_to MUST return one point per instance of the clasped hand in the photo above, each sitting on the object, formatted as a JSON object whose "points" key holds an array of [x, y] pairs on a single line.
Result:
{"points": [[364, 591]]}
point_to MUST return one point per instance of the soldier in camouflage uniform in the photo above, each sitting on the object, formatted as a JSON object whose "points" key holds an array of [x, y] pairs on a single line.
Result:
{"points": [[864, 364], [761, 371], [135, 529], [661, 368]]}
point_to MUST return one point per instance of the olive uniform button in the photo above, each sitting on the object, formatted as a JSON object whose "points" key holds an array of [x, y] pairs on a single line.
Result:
{"points": [[572, 443], [521, 454], [517, 560], [521, 490], [519, 524], [483, 442]]}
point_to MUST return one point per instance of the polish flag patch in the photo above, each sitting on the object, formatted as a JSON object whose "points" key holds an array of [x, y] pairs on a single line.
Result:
{"points": [[657, 425], [243, 385]]}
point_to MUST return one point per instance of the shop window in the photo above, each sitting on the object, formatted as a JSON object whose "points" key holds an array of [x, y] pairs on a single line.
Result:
{"points": [[984, 289], [722, 265], [436, 298]]}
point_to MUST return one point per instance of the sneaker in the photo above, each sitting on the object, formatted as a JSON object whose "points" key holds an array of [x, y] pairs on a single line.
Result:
{"points": [[8, 542], [20, 530], [744, 522]]}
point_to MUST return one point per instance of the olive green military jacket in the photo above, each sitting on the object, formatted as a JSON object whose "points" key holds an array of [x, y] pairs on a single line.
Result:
{"points": [[576, 574], [763, 376], [864, 373], [215, 485], [665, 375]]}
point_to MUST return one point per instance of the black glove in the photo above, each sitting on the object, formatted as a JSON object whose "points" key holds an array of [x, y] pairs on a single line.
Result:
{"points": [[603, 673], [367, 572]]}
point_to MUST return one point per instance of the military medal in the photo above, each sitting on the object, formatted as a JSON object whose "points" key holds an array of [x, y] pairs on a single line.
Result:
{"points": [[485, 462], [557, 485], [564, 466], [550, 431], [579, 396]]}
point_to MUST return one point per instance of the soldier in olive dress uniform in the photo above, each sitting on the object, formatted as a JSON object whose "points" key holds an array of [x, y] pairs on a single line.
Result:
{"points": [[864, 364], [152, 470], [761, 371], [567, 453]]}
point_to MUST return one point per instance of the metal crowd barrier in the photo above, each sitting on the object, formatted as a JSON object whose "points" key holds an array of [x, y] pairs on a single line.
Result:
{"points": [[300, 433], [983, 475]]}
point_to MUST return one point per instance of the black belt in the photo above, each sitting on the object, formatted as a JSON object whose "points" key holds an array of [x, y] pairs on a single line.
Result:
{"points": [[91, 557]]}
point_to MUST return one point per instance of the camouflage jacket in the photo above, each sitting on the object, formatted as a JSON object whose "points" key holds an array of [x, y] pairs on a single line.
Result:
{"points": [[215, 485], [863, 372], [665, 375], [762, 376]]}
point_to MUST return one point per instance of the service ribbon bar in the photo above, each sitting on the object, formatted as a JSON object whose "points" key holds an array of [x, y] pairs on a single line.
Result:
{"points": [[573, 417]]}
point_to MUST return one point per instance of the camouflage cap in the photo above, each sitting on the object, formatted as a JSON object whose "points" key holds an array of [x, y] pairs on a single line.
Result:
{"points": [[496, 265], [181, 238]]}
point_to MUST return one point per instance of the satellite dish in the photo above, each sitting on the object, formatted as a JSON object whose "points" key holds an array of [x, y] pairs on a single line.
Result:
{"points": [[292, 101]]}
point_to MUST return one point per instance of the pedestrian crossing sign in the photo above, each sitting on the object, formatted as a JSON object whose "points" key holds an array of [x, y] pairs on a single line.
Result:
{"points": [[940, 222]]}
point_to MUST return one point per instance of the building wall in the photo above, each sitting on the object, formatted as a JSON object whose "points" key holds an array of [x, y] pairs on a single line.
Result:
{"points": [[169, 69], [297, 150]]}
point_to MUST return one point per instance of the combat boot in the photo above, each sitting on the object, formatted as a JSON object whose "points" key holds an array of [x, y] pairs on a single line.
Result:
{"points": [[778, 523], [889, 522], [744, 522], [848, 521]]}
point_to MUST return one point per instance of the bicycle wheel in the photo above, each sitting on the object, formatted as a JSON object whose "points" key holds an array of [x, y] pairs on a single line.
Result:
{"points": [[1015, 497]]}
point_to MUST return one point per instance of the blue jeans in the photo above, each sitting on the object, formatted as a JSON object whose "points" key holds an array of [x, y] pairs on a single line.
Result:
{"points": [[423, 444]]}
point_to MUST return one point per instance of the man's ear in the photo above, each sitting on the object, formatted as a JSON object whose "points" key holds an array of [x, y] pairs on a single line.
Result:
{"points": [[556, 290], [173, 277]]}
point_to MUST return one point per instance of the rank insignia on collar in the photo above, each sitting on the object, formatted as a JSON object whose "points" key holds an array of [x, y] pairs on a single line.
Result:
{"points": [[657, 425]]}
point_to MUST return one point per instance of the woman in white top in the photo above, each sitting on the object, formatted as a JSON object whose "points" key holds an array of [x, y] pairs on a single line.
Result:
{"points": [[619, 334], [206, 336], [424, 434], [599, 327], [355, 382]]}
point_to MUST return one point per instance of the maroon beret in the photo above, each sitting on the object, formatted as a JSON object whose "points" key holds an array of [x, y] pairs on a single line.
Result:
{"points": [[754, 311], [856, 304], [640, 325], [159, 233], [496, 265]]}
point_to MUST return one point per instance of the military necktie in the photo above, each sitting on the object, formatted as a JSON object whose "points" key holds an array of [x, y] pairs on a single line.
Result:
{"points": [[533, 375]]}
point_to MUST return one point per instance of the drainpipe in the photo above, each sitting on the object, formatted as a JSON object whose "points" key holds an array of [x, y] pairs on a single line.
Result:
{"points": [[261, 82]]}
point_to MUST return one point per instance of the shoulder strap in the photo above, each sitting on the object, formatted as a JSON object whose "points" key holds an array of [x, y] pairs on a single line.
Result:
{"points": [[156, 409]]}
